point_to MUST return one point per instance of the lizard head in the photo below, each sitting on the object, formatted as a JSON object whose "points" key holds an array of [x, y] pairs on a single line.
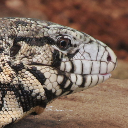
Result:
{"points": [[66, 60], [84, 60]]}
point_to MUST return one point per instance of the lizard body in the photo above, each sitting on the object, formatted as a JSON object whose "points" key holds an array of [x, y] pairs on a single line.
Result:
{"points": [[40, 61]]}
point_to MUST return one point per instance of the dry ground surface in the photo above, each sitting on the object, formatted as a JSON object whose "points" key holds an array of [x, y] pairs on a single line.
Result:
{"points": [[103, 106]]}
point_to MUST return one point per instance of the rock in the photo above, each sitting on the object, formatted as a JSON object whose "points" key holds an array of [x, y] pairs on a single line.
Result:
{"points": [[103, 106]]}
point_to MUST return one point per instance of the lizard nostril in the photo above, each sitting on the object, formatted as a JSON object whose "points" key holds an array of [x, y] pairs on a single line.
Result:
{"points": [[109, 58]]}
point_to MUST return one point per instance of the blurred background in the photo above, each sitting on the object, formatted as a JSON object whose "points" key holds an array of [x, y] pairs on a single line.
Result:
{"points": [[105, 20]]}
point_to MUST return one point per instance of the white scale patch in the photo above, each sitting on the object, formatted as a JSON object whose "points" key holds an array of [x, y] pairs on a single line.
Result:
{"points": [[96, 67], [110, 67], [68, 66], [79, 80], [67, 83], [77, 69], [87, 65], [92, 49], [60, 79], [103, 67]]}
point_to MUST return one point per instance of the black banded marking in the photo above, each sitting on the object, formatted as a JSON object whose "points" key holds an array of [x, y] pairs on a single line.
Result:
{"points": [[33, 41], [1, 70], [28, 101], [56, 58], [22, 23], [14, 49], [3, 92], [97, 80], [91, 81], [97, 51], [82, 67], [63, 82], [83, 82], [49, 94], [72, 69], [68, 88], [25, 99], [18, 67], [1, 49], [4, 88], [91, 68], [38, 74]]}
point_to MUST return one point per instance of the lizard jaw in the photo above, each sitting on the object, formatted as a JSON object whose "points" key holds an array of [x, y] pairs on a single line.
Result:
{"points": [[82, 82], [91, 80]]}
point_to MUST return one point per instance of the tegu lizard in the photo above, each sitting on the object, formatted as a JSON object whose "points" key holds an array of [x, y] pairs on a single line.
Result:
{"points": [[41, 61]]}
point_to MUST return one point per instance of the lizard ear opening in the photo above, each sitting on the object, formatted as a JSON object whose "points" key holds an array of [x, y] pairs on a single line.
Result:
{"points": [[14, 49]]}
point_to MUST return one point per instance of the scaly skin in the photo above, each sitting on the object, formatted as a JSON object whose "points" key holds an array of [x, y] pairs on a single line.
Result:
{"points": [[40, 61]]}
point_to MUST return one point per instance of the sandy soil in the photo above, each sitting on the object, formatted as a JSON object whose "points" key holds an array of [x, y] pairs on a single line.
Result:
{"points": [[103, 106]]}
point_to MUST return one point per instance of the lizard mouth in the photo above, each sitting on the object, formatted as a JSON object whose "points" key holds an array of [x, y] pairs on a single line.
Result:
{"points": [[85, 74], [81, 81], [84, 81], [86, 67]]}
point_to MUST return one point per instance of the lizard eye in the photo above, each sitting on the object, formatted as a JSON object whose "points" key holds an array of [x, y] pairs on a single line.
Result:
{"points": [[63, 43]]}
